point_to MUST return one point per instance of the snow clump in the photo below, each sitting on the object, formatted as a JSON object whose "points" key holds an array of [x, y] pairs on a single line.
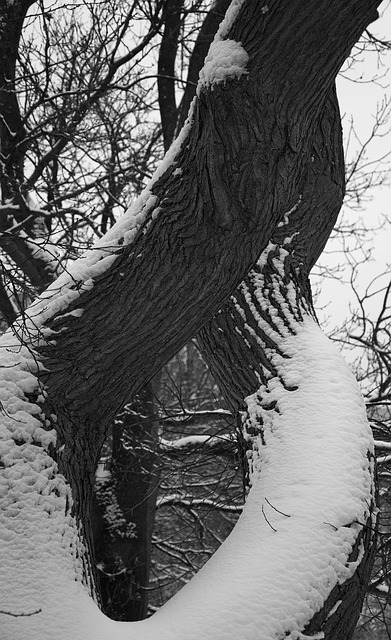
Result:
{"points": [[226, 59]]}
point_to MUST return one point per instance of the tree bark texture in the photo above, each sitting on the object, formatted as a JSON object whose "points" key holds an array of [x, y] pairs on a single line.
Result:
{"points": [[238, 348], [243, 167], [125, 592], [309, 228], [243, 170], [200, 49]]}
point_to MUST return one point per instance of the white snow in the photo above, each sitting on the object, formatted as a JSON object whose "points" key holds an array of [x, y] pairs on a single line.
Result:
{"points": [[383, 459], [334, 609], [226, 59], [172, 498], [311, 486], [229, 18], [285, 221], [276, 569], [382, 444], [194, 441], [41, 552], [81, 274]]}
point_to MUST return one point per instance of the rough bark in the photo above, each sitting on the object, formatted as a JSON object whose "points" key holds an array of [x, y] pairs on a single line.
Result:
{"points": [[124, 561], [238, 349], [201, 46], [309, 227], [124, 592], [243, 168]]}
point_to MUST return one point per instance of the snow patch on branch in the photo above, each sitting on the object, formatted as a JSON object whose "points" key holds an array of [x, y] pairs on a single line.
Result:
{"points": [[46, 252], [231, 15], [194, 441], [226, 60], [191, 502], [310, 474]]}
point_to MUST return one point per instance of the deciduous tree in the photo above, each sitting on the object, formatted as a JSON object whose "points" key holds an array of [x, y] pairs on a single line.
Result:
{"points": [[246, 177]]}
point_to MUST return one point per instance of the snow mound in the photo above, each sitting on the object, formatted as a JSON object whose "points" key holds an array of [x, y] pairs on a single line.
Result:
{"points": [[227, 59]]}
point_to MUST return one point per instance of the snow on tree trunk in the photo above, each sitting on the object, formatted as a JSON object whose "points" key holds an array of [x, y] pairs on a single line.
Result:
{"points": [[103, 329], [250, 348], [300, 540]]}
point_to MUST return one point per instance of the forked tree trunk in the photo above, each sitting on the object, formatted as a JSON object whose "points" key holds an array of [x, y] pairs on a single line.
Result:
{"points": [[239, 171], [123, 559]]}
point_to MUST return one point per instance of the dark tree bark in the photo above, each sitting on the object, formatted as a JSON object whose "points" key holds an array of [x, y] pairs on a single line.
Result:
{"points": [[125, 592], [11, 127], [124, 552], [242, 170], [201, 46], [244, 167], [239, 349], [309, 226], [172, 16]]}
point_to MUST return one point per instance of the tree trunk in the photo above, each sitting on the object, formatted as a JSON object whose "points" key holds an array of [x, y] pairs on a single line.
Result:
{"points": [[172, 16], [201, 46], [245, 340], [126, 511], [11, 127], [231, 183], [241, 170]]}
